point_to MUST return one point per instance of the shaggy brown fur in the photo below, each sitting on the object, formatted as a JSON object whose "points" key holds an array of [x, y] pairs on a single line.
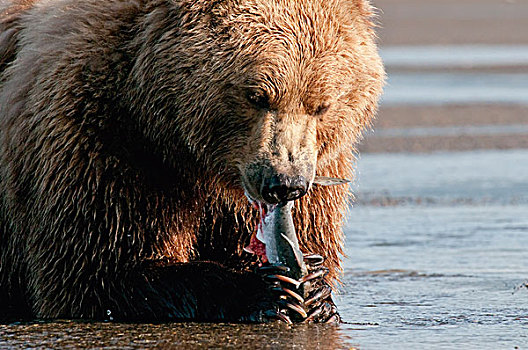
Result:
{"points": [[127, 139]]}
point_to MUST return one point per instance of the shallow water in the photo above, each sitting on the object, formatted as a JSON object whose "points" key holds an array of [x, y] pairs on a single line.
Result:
{"points": [[438, 260], [469, 130], [454, 56], [437, 277], [436, 249], [455, 88], [421, 86], [475, 177]]}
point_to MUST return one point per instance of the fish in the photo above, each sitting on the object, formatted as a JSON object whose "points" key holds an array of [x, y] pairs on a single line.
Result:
{"points": [[280, 238], [282, 246], [275, 240]]}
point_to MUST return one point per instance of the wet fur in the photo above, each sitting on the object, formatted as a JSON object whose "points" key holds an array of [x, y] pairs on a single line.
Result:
{"points": [[124, 128]]}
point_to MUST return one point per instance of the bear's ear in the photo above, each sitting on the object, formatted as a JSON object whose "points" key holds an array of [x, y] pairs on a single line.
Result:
{"points": [[364, 9], [359, 12]]}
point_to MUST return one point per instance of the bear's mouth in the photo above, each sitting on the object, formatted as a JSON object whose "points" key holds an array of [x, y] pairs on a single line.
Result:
{"points": [[257, 244]]}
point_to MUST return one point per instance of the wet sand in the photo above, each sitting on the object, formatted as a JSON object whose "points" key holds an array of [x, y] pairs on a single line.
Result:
{"points": [[428, 22], [392, 117], [443, 143], [451, 115]]}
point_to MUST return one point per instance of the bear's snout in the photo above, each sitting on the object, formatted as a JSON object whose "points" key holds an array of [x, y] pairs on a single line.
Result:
{"points": [[273, 184], [282, 158], [282, 188]]}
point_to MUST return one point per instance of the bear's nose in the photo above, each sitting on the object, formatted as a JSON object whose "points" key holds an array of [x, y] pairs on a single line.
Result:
{"points": [[282, 188]]}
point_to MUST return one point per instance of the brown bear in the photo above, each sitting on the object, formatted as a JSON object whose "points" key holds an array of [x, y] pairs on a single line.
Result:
{"points": [[133, 131]]}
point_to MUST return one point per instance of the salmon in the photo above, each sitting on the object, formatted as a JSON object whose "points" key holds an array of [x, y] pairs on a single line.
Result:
{"points": [[276, 241]]}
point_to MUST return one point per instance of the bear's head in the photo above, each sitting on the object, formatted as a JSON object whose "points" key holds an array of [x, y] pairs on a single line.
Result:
{"points": [[264, 93]]}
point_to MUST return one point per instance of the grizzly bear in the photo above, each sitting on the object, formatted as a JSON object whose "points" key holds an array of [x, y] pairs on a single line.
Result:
{"points": [[132, 133]]}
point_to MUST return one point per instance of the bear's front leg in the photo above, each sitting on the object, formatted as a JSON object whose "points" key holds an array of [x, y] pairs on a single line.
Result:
{"points": [[207, 291], [196, 291]]}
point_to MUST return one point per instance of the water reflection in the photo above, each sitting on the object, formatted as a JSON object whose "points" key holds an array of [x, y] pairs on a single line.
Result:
{"points": [[176, 335]]}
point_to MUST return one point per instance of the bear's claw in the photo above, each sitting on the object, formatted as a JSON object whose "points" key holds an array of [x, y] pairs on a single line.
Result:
{"points": [[284, 318], [285, 279], [325, 313], [290, 305], [287, 303], [293, 294], [321, 294], [317, 274], [319, 302], [313, 260], [293, 307]]}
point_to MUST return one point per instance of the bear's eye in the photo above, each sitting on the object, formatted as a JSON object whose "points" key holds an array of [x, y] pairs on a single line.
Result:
{"points": [[322, 109], [259, 99]]}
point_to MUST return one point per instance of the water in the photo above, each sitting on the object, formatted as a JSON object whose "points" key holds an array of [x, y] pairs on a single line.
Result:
{"points": [[423, 86], [453, 88], [445, 284], [455, 56], [442, 268], [476, 177], [469, 130]]}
